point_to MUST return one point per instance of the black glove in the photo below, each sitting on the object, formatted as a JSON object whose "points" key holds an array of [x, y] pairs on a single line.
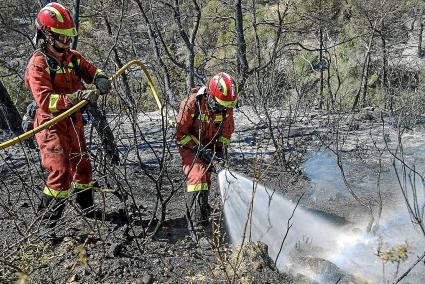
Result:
{"points": [[204, 154], [102, 82], [219, 153], [219, 156]]}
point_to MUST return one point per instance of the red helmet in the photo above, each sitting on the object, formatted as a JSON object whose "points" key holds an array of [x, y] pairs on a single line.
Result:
{"points": [[223, 88], [55, 18]]}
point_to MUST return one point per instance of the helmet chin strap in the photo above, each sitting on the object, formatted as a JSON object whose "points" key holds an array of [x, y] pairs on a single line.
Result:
{"points": [[211, 104], [59, 49]]}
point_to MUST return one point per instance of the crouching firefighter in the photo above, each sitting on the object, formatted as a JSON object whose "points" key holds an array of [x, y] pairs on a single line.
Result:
{"points": [[54, 75], [204, 127]]}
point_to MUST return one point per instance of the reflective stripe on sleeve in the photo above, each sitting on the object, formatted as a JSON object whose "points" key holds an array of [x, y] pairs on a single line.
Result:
{"points": [[56, 193], [54, 98], [223, 140], [187, 138], [197, 187]]}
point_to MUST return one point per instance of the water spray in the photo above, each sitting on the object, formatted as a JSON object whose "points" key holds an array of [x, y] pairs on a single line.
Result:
{"points": [[299, 241]]}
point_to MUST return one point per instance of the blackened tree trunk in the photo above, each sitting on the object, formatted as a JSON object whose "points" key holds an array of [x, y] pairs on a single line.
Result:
{"points": [[321, 68], [12, 117], [240, 37], [76, 18], [321, 56], [421, 30]]}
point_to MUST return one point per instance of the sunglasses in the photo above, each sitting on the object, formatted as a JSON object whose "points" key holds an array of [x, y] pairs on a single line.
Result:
{"points": [[62, 38]]}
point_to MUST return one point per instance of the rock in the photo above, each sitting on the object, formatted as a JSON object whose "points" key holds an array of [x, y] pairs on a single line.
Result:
{"points": [[252, 256], [307, 268], [147, 279], [203, 243]]}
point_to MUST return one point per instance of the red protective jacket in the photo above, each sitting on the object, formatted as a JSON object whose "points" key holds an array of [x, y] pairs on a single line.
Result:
{"points": [[62, 146], [51, 96], [204, 129]]}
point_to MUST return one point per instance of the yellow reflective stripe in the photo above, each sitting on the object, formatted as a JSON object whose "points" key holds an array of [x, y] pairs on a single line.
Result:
{"points": [[82, 185], [223, 85], [67, 32], [56, 12], [54, 98], [202, 117], [58, 70], [56, 193], [185, 139], [218, 118], [226, 103], [195, 139], [223, 140], [70, 65], [197, 187]]}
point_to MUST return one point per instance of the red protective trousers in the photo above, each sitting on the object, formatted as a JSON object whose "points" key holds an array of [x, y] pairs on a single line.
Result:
{"points": [[198, 176], [64, 155]]}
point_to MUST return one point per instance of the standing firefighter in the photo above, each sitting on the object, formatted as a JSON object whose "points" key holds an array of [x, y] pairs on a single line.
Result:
{"points": [[54, 76], [204, 128]]}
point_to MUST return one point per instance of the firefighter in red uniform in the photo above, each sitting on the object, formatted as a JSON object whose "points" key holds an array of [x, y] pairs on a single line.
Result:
{"points": [[54, 76], [204, 128]]}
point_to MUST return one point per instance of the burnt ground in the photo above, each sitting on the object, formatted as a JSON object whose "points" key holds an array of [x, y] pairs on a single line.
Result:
{"points": [[144, 239]]}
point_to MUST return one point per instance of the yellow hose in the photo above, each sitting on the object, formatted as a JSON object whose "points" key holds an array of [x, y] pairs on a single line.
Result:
{"points": [[151, 86], [73, 109]]}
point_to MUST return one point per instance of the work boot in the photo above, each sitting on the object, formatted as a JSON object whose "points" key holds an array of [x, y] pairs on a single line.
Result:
{"points": [[85, 201], [197, 213], [51, 210]]}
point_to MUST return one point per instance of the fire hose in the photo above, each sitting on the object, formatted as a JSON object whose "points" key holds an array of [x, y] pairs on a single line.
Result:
{"points": [[81, 104]]}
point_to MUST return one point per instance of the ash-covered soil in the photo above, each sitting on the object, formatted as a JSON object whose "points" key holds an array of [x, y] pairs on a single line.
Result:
{"points": [[143, 237]]}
